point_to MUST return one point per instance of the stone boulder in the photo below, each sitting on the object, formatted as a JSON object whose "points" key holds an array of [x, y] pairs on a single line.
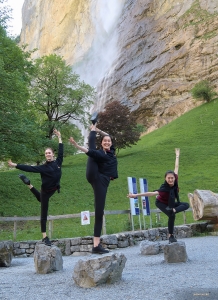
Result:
{"points": [[6, 253], [47, 259], [98, 270], [175, 253], [149, 248]]}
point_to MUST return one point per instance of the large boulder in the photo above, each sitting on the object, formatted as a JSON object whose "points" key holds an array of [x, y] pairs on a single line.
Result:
{"points": [[175, 253], [6, 253], [47, 259], [98, 270]]}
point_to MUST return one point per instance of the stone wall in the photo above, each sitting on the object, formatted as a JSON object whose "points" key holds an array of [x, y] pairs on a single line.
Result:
{"points": [[83, 245]]}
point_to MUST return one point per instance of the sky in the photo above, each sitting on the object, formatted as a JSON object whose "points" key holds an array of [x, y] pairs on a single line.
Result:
{"points": [[16, 22]]}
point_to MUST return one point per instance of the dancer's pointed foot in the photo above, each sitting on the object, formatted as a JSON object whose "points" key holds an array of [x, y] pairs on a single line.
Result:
{"points": [[94, 118], [24, 179]]}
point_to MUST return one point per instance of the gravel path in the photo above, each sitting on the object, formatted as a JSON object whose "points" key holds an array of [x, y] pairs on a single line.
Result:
{"points": [[144, 277]]}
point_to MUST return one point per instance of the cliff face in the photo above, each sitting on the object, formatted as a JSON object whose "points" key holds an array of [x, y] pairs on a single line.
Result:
{"points": [[153, 52]]}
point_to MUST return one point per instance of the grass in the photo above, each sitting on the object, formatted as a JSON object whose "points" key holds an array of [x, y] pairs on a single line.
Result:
{"points": [[195, 133]]}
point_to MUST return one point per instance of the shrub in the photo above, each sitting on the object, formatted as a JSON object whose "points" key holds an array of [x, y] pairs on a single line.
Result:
{"points": [[203, 90]]}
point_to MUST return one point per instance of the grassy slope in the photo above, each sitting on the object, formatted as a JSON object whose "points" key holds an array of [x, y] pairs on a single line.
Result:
{"points": [[195, 133]]}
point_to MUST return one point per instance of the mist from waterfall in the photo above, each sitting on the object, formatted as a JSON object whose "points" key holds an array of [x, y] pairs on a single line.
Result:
{"points": [[98, 59], [96, 62]]}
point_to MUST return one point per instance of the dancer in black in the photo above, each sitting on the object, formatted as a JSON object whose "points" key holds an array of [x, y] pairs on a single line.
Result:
{"points": [[101, 168], [166, 195], [50, 173]]}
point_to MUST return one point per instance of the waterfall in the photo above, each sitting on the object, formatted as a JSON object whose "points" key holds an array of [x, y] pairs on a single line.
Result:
{"points": [[98, 59]]}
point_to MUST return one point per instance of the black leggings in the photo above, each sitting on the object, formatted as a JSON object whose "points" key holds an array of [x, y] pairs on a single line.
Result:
{"points": [[181, 206], [99, 183], [43, 198]]}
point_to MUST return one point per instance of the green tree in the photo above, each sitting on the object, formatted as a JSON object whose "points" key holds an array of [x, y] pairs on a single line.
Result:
{"points": [[118, 121], [203, 90], [18, 129], [5, 14], [57, 94]]}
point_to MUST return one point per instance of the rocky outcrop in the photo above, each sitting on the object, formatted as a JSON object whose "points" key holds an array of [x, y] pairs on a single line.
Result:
{"points": [[175, 253], [160, 49], [165, 48], [47, 259], [99, 270], [6, 253]]}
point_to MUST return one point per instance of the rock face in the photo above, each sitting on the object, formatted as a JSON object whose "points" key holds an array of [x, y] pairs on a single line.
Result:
{"points": [[6, 253], [47, 259], [161, 49], [98, 270]]}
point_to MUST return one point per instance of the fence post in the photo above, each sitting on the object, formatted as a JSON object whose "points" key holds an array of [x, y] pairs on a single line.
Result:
{"points": [[104, 225], [15, 230]]}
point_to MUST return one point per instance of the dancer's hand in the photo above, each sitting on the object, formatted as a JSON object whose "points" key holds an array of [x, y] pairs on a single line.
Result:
{"points": [[130, 195], [72, 141], [11, 164], [57, 133], [177, 151], [93, 127]]}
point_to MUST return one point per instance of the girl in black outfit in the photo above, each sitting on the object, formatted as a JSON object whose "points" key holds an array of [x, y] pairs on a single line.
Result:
{"points": [[166, 196], [50, 175], [101, 168]]}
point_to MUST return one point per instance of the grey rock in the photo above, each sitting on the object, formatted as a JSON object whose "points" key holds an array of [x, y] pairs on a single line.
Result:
{"points": [[149, 248], [123, 244], [47, 259], [109, 239], [175, 253], [6, 253], [99, 270]]}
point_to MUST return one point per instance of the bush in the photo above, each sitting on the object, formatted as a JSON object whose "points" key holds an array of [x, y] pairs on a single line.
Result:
{"points": [[203, 90]]}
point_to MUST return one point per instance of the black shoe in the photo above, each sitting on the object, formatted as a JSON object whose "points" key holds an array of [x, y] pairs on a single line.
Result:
{"points": [[99, 250], [94, 118], [24, 179], [172, 239], [46, 241]]}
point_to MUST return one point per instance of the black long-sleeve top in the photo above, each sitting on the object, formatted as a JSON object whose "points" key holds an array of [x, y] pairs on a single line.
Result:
{"points": [[107, 161], [50, 171]]}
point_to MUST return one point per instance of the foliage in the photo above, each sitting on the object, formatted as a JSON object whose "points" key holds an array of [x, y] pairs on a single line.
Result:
{"points": [[203, 90], [5, 14], [57, 94], [150, 158], [18, 130], [118, 121]]}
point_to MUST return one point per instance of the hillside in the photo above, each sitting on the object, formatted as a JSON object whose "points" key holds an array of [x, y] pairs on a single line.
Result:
{"points": [[195, 133]]}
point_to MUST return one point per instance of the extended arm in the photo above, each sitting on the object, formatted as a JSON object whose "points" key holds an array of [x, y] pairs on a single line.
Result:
{"points": [[146, 194], [59, 159], [74, 143], [176, 170], [101, 132], [58, 134]]}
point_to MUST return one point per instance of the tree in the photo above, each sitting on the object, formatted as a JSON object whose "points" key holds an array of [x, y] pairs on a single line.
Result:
{"points": [[18, 129], [57, 94], [118, 121], [203, 90], [5, 14]]}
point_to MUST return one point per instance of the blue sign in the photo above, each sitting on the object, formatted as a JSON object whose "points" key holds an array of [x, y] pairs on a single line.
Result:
{"points": [[134, 202], [145, 202]]}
